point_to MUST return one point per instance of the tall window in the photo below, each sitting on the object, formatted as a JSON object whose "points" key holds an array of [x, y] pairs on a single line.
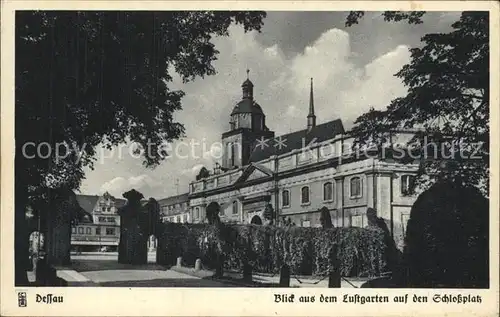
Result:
{"points": [[328, 191], [98, 231], [304, 197], [407, 185], [197, 212], [356, 191], [80, 230], [110, 231], [285, 198], [230, 158], [73, 229], [232, 162], [235, 207], [88, 230]]}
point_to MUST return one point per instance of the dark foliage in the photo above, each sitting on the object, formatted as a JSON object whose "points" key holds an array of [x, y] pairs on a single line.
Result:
{"points": [[90, 78], [269, 213], [212, 213], [447, 100], [202, 174], [325, 218], [393, 254], [359, 252], [447, 238], [412, 17]]}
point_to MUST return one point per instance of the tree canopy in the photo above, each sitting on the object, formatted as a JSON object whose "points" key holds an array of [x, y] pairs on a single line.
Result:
{"points": [[447, 101], [90, 78], [87, 78]]}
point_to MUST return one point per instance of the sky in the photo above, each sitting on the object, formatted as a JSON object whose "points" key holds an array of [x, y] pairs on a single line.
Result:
{"points": [[352, 67]]}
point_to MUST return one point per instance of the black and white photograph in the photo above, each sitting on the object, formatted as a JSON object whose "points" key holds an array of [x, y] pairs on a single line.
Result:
{"points": [[252, 149]]}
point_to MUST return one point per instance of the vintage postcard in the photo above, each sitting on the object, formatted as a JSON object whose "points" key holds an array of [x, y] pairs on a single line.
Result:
{"points": [[234, 158]]}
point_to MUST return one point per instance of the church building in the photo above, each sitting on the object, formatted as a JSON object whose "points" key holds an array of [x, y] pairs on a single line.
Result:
{"points": [[300, 172]]}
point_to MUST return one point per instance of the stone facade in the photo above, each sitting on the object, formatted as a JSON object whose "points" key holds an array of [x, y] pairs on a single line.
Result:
{"points": [[175, 209], [99, 228], [316, 169]]}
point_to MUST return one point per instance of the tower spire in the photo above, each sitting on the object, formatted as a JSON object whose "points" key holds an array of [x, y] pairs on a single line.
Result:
{"points": [[247, 87], [311, 117]]}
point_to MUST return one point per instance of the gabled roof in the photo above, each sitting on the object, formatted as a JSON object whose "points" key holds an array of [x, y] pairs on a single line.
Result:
{"points": [[297, 140], [87, 202], [249, 170]]}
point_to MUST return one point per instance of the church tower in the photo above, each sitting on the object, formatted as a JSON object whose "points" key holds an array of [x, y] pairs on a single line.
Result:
{"points": [[247, 124]]}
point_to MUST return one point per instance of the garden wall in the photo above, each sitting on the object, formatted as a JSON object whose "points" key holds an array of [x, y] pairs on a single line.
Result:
{"points": [[360, 251]]}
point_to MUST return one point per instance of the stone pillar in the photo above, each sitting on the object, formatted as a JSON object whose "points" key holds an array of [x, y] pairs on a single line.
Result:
{"points": [[339, 189], [284, 276], [247, 272], [197, 265], [133, 240], [334, 279]]}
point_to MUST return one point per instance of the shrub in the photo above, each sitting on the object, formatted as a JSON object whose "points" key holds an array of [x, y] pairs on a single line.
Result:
{"points": [[446, 244], [325, 218], [360, 252]]}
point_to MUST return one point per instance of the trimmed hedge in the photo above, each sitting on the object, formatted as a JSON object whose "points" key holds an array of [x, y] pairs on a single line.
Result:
{"points": [[360, 251], [447, 240]]}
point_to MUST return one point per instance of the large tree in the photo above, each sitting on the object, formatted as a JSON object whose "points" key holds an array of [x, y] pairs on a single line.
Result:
{"points": [[447, 102], [87, 78]]}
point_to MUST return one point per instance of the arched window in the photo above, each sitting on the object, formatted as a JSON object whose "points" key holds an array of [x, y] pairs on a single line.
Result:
{"points": [[328, 191], [407, 185], [285, 198], [304, 197], [355, 188], [235, 207], [230, 158], [233, 154]]}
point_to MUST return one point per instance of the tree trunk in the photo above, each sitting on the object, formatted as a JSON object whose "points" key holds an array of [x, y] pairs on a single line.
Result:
{"points": [[58, 243], [21, 238]]}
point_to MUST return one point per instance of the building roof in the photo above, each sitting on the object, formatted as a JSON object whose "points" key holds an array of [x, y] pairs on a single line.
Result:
{"points": [[247, 106], [297, 140], [87, 202], [182, 198]]}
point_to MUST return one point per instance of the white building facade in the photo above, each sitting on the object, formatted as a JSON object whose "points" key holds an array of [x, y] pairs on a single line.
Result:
{"points": [[301, 172]]}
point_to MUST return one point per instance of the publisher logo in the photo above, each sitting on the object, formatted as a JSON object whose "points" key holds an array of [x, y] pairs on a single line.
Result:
{"points": [[21, 299]]}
